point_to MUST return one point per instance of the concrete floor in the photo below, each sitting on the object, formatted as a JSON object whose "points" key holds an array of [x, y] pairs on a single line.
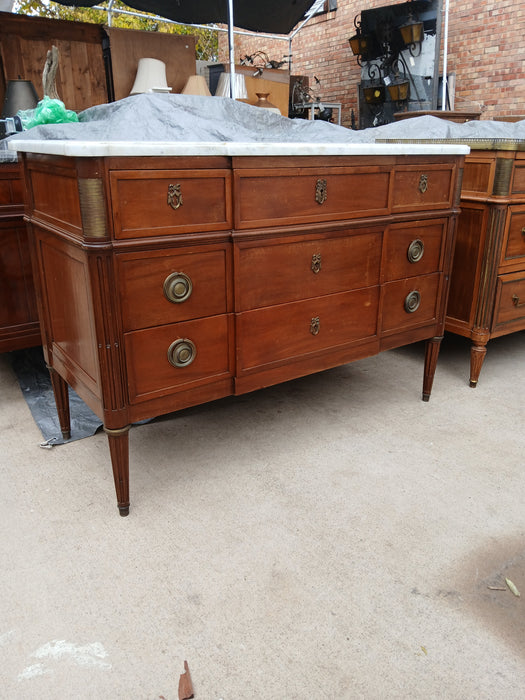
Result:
{"points": [[334, 537]]}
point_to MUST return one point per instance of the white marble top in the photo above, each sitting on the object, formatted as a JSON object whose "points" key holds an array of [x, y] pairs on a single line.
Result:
{"points": [[229, 148]]}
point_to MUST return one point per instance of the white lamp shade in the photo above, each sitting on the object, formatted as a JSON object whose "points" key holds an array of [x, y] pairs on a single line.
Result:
{"points": [[151, 77], [223, 86], [196, 85]]}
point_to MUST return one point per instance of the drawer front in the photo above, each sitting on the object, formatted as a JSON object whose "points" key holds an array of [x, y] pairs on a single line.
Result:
{"points": [[287, 196], [510, 302], [413, 249], [161, 287], [422, 187], [275, 272], [158, 202], [515, 243], [290, 331], [199, 352], [410, 303]]}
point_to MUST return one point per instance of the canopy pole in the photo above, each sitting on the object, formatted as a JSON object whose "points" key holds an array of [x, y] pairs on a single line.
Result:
{"points": [[231, 49], [445, 56]]}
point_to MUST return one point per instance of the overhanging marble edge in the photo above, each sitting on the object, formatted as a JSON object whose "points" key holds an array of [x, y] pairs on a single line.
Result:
{"points": [[175, 148]]}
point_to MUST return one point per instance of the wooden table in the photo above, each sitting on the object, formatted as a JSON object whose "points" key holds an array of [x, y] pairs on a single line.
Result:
{"points": [[174, 274], [19, 327], [487, 294]]}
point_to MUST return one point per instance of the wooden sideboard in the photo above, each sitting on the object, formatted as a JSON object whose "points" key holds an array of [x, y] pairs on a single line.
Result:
{"points": [[19, 326], [487, 293], [168, 281]]}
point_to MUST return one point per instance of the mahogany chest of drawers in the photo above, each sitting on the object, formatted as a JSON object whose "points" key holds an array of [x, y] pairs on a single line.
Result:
{"points": [[167, 281], [487, 294], [19, 327]]}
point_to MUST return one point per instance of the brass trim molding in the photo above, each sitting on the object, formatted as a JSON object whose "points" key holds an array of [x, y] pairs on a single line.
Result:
{"points": [[92, 207]]}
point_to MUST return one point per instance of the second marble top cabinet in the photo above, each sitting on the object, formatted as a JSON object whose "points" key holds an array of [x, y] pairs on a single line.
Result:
{"points": [[165, 282], [487, 293]]}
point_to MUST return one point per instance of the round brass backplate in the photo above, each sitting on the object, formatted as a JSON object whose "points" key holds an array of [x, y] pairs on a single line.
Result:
{"points": [[412, 302], [181, 352], [177, 287], [415, 250]]}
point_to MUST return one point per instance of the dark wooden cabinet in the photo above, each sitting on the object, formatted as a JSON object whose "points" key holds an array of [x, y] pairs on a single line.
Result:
{"points": [[487, 293], [165, 282], [19, 326]]}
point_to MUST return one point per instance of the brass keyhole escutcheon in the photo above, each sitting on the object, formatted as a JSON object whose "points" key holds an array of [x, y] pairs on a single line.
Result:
{"points": [[315, 326], [177, 287], [174, 196], [181, 352], [412, 302], [316, 263], [415, 251], [321, 191], [423, 183]]}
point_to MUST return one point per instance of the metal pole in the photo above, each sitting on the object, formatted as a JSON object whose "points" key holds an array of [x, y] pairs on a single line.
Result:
{"points": [[231, 49], [445, 52]]}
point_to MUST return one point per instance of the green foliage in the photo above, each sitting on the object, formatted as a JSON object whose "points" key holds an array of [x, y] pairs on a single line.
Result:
{"points": [[206, 39]]}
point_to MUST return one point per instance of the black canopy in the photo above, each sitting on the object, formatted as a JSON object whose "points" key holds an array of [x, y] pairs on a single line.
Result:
{"points": [[272, 16]]}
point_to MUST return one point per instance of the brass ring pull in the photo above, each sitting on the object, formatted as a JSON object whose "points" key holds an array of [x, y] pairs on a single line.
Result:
{"points": [[523, 231], [516, 301], [316, 263], [412, 302], [315, 325], [174, 196], [181, 352], [321, 191], [423, 183], [415, 250], [177, 287]]}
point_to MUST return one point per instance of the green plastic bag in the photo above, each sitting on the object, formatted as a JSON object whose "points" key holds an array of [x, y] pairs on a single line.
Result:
{"points": [[47, 111]]}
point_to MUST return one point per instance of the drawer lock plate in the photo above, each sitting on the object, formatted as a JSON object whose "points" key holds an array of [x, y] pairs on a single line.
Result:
{"points": [[315, 325], [321, 191], [174, 196]]}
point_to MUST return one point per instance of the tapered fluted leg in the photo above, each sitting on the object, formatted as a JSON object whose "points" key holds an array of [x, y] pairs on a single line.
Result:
{"points": [[61, 393], [477, 356], [119, 450], [431, 356]]}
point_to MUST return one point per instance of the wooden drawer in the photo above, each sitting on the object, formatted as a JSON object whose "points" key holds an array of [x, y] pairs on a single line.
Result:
{"points": [[515, 234], [168, 286], [160, 202], [281, 270], [290, 331], [410, 303], [509, 312], [422, 187], [413, 249], [203, 344], [287, 196]]}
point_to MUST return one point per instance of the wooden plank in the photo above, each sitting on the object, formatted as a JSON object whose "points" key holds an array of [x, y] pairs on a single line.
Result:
{"points": [[128, 46]]}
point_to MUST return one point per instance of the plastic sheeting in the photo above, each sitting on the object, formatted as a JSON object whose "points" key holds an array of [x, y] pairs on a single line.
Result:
{"points": [[33, 378], [163, 117]]}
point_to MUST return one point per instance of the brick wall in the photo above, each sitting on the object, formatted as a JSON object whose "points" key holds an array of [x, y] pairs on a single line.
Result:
{"points": [[484, 51]]}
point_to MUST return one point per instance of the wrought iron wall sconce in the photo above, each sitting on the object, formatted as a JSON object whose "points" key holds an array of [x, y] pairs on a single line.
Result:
{"points": [[412, 33], [388, 37], [363, 46]]}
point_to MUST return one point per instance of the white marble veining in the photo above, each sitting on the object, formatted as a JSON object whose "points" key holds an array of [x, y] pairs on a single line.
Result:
{"points": [[229, 148]]}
